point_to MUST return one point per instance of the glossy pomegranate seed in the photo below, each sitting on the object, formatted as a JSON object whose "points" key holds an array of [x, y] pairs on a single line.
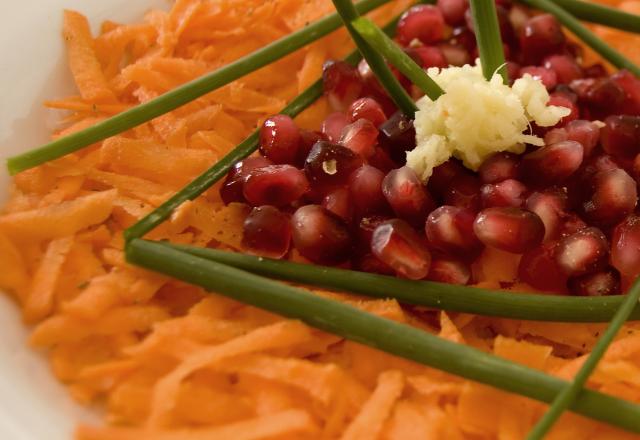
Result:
{"points": [[464, 191], [584, 252], [615, 196], [538, 268], [339, 203], [565, 67], [571, 224], [513, 70], [267, 232], [509, 229], [550, 205], [601, 97], [333, 126], [371, 264], [365, 187], [541, 36], [499, 167], [342, 84], [596, 70], [231, 190], [280, 139], [547, 76], [553, 163], [278, 185], [320, 236], [443, 175], [329, 166], [398, 132], [361, 137], [407, 196], [509, 192], [603, 283], [586, 133], [621, 136], [422, 22], [450, 271], [625, 247], [427, 56], [364, 232], [560, 100], [396, 244], [369, 109], [631, 87], [309, 139], [450, 229], [453, 10], [382, 160], [455, 54], [463, 36]]}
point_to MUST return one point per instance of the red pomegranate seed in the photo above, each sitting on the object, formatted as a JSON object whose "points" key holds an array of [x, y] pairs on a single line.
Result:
{"points": [[382, 160], [407, 196], [329, 166], [509, 229], [369, 109], [450, 229], [278, 185], [443, 175], [631, 87], [585, 132], [267, 232], [463, 36], [615, 196], [361, 137], [499, 167], [550, 205], [464, 191], [309, 139], [320, 236], [365, 187], [547, 76], [596, 70], [571, 224], [342, 84], [560, 100], [333, 126], [396, 244], [513, 70], [371, 264], [398, 132], [422, 22], [427, 56], [625, 247], [584, 252], [365, 229], [507, 193], [453, 10], [621, 136], [280, 139], [541, 36], [454, 54], [231, 190], [339, 203], [565, 67], [601, 97], [538, 269], [552, 163], [450, 271], [603, 283]]}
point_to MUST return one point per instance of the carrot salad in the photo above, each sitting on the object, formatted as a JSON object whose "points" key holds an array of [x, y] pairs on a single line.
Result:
{"points": [[164, 360]]}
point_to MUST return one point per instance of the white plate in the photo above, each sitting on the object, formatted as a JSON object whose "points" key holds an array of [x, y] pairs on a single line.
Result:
{"points": [[33, 406]]}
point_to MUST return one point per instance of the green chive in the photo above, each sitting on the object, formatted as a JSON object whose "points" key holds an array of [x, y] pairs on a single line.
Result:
{"points": [[383, 334], [573, 392], [375, 37], [607, 52], [183, 94], [487, 30], [377, 64], [513, 305], [601, 14]]}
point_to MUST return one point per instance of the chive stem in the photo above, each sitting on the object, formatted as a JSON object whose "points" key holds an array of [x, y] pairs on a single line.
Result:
{"points": [[376, 38], [487, 30], [601, 14]]}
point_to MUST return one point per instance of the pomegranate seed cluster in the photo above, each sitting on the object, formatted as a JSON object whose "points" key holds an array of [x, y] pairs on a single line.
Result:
{"points": [[343, 195]]}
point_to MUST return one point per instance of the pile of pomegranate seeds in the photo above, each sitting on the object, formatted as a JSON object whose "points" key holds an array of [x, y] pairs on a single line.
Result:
{"points": [[344, 196]]}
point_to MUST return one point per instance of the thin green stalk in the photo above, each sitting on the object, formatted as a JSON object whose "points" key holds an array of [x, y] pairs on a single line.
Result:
{"points": [[440, 296], [377, 64], [183, 94], [607, 52], [601, 14], [487, 30], [380, 333], [574, 391], [375, 37]]}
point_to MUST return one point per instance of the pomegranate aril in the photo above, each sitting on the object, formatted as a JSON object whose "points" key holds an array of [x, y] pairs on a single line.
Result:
{"points": [[463, 36], [601, 97], [267, 232], [364, 231], [538, 268], [365, 187], [630, 84], [464, 191], [398, 132], [615, 196], [552, 163], [499, 167], [603, 283], [309, 139], [565, 67], [371, 264], [450, 229], [396, 244], [369, 109], [550, 206], [333, 126], [329, 166], [509, 229], [547, 76], [580, 130], [621, 136], [571, 224], [339, 203], [450, 271], [361, 137], [541, 36], [625, 247], [581, 253], [320, 236], [382, 160], [443, 175], [422, 22], [560, 100], [513, 70], [427, 56], [407, 196], [596, 70], [455, 54], [503, 194], [231, 190], [453, 10], [280, 139], [278, 185], [342, 84]]}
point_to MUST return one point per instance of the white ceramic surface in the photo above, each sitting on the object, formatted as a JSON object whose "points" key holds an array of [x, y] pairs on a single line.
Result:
{"points": [[33, 406]]}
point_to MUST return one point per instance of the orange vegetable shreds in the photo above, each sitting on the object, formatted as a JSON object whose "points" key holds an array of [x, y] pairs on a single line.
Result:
{"points": [[57, 221], [14, 274], [83, 62]]}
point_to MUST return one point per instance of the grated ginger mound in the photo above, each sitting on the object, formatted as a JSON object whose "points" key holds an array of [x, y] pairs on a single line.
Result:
{"points": [[163, 360], [476, 118]]}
